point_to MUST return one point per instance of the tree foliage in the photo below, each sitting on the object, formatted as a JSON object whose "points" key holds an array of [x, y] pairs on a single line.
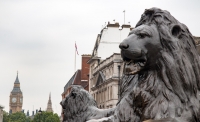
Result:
{"points": [[5, 116], [15, 117], [21, 117], [46, 117]]}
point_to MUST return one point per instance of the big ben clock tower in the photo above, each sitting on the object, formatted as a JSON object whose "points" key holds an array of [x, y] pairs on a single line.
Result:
{"points": [[16, 97]]}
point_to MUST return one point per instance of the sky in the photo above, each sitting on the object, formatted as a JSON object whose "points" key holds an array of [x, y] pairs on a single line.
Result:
{"points": [[37, 38]]}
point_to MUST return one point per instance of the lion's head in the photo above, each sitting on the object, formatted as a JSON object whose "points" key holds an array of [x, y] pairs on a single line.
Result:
{"points": [[76, 103], [168, 67]]}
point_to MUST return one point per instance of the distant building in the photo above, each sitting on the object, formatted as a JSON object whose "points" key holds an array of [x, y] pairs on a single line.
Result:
{"points": [[16, 97], [27, 114], [33, 115], [80, 77], [104, 62], [49, 105], [1, 113]]}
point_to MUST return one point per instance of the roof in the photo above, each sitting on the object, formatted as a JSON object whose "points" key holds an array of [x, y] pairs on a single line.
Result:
{"points": [[17, 79], [49, 102], [100, 79], [74, 80], [16, 90]]}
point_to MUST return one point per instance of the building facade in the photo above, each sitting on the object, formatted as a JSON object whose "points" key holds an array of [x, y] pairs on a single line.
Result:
{"points": [[104, 81], [16, 97], [104, 63], [49, 105]]}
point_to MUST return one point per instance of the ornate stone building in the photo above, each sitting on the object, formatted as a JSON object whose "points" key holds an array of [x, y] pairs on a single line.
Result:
{"points": [[104, 81], [49, 105], [104, 62], [16, 97]]}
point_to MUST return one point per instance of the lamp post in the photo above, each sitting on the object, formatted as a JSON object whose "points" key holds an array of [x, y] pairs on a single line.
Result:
{"points": [[40, 112]]}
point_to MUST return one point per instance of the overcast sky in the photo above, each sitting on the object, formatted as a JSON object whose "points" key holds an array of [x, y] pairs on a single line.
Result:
{"points": [[37, 38]]}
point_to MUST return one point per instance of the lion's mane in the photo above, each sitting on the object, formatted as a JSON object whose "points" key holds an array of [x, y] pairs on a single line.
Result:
{"points": [[76, 104], [171, 89], [168, 87]]}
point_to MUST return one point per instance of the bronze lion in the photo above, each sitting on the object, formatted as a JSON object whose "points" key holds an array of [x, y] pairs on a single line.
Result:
{"points": [[79, 106], [166, 85]]}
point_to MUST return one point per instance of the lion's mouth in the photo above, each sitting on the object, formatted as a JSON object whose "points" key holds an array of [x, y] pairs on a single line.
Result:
{"points": [[132, 67]]}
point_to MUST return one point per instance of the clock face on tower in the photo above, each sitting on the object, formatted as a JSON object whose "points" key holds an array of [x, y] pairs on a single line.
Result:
{"points": [[14, 100], [20, 100]]}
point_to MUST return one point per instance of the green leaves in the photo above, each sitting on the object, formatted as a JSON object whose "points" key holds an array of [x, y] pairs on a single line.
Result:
{"points": [[15, 117], [21, 117], [5, 117], [46, 117]]}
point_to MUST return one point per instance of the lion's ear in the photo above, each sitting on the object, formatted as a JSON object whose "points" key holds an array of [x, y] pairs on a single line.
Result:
{"points": [[176, 30]]}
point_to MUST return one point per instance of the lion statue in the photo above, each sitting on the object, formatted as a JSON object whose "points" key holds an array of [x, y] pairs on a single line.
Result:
{"points": [[166, 85], [167, 82], [79, 106]]}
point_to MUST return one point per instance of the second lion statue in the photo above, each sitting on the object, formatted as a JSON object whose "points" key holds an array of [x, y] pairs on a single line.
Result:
{"points": [[166, 85]]}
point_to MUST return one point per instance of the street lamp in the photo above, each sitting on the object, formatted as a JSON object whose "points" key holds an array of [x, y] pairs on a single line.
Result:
{"points": [[40, 112]]}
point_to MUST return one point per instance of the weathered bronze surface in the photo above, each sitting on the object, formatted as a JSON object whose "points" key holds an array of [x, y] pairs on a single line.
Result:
{"points": [[164, 88]]}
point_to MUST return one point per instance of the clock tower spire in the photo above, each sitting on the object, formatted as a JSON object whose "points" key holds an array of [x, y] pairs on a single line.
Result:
{"points": [[16, 97], [49, 104]]}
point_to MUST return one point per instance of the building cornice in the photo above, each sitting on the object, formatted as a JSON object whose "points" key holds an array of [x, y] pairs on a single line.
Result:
{"points": [[126, 26], [104, 66], [112, 79], [93, 59]]}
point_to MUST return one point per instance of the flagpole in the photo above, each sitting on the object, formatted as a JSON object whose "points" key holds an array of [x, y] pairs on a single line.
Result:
{"points": [[124, 16], [75, 60]]}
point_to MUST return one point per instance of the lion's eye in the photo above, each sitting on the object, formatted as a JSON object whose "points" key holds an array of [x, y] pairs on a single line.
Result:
{"points": [[73, 95], [141, 35]]}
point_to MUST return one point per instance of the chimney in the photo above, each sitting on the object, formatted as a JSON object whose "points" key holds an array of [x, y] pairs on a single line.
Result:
{"points": [[85, 71], [116, 25], [85, 67], [27, 113], [33, 113]]}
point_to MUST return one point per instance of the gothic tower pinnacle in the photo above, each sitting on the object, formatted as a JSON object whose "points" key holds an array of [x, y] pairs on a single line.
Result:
{"points": [[16, 97], [49, 104]]}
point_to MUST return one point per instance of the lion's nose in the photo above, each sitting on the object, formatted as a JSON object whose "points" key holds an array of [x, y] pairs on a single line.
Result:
{"points": [[123, 46]]}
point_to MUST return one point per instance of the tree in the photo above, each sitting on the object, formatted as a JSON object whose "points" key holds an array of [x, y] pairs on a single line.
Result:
{"points": [[18, 117], [46, 117], [5, 116]]}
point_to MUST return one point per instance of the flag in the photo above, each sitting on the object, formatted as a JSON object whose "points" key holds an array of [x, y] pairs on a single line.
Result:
{"points": [[76, 48]]}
